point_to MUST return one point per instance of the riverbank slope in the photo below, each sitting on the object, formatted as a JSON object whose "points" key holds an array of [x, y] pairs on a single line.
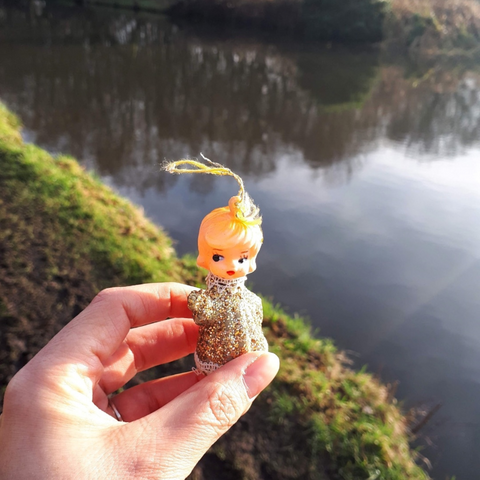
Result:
{"points": [[64, 236]]}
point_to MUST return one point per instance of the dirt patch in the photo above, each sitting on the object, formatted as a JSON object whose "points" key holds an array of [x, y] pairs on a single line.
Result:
{"points": [[42, 284], [260, 448]]}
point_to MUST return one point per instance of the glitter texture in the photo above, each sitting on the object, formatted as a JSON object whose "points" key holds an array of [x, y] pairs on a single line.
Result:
{"points": [[230, 319]]}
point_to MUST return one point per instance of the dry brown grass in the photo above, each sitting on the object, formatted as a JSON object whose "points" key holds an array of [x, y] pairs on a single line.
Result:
{"points": [[439, 24]]}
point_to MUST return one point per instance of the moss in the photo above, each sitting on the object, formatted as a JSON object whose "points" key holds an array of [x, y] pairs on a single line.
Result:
{"points": [[103, 226], [9, 127], [345, 413], [64, 235]]}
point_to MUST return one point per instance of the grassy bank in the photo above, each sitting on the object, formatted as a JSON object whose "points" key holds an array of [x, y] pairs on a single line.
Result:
{"points": [[64, 236]]}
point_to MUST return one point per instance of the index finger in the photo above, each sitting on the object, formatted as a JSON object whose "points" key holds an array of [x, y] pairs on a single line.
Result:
{"points": [[105, 323], [146, 303]]}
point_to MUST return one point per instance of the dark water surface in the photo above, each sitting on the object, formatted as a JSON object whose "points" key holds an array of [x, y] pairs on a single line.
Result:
{"points": [[368, 179]]}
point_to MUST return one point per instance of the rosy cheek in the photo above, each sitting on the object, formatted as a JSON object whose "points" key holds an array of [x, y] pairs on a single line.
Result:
{"points": [[217, 269]]}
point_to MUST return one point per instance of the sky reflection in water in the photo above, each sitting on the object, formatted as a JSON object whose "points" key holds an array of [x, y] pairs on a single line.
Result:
{"points": [[386, 263]]}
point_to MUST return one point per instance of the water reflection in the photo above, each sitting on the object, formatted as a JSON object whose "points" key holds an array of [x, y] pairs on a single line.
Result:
{"points": [[367, 179], [440, 117], [154, 92], [389, 265]]}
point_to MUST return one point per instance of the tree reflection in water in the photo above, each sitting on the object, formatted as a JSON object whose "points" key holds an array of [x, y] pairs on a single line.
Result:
{"points": [[126, 91]]}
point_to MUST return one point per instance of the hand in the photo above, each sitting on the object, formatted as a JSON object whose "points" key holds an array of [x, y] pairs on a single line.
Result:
{"points": [[57, 422]]}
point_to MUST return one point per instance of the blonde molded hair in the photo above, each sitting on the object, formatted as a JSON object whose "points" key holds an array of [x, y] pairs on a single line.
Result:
{"points": [[227, 227]]}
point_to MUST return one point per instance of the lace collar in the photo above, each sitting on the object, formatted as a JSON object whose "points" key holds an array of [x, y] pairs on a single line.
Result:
{"points": [[223, 284]]}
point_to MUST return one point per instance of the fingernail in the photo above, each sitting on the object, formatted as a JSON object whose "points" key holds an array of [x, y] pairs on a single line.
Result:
{"points": [[260, 373]]}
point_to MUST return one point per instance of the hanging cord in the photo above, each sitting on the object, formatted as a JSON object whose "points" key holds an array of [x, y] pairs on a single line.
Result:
{"points": [[244, 209]]}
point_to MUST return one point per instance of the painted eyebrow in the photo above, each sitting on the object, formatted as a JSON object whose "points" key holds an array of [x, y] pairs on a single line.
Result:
{"points": [[246, 251]]}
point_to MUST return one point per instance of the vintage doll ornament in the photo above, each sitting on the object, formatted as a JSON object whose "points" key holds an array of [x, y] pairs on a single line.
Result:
{"points": [[230, 316]]}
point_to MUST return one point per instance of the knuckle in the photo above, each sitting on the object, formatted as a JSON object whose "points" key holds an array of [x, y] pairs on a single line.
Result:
{"points": [[16, 391], [225, 408], [106, 295], [13, 389]]}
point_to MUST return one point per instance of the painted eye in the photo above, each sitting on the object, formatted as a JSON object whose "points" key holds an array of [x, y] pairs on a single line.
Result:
{"points": [[217, 258], [242, 259]]}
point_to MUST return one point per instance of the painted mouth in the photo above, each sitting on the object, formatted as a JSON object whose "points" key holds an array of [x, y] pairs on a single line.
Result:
{"points": [[231, 272]]}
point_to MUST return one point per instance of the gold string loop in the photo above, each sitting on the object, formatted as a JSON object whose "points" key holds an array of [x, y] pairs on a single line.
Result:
{"points": [[244, 209]]}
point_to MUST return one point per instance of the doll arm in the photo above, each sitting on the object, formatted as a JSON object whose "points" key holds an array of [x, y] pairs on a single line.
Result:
{"points": [[258, 341], [201, 306], [258, 309], [192, 299]]}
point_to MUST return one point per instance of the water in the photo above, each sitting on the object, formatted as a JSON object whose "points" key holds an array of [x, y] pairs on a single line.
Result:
{"points": [[368, 177]]}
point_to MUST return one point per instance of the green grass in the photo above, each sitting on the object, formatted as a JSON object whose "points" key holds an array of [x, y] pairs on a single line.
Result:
{"points": [[345, 413], [99, 224], [67, 235]]}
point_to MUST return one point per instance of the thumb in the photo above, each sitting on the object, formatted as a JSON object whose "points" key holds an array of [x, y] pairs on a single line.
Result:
{"points": [[188, 426]]}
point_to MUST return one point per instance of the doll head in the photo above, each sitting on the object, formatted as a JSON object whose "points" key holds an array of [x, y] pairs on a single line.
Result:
{"points": [[229, 241], [230, 237]]}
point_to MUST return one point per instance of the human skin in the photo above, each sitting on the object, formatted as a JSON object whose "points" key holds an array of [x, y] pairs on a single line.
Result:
{"points": [[57, 423]]}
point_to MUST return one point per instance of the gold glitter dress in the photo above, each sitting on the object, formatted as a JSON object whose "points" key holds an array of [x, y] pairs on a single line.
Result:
{"points": [[230, 319]]}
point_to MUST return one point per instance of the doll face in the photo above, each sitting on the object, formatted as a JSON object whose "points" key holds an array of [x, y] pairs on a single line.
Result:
{"points": [[229, 263]]}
